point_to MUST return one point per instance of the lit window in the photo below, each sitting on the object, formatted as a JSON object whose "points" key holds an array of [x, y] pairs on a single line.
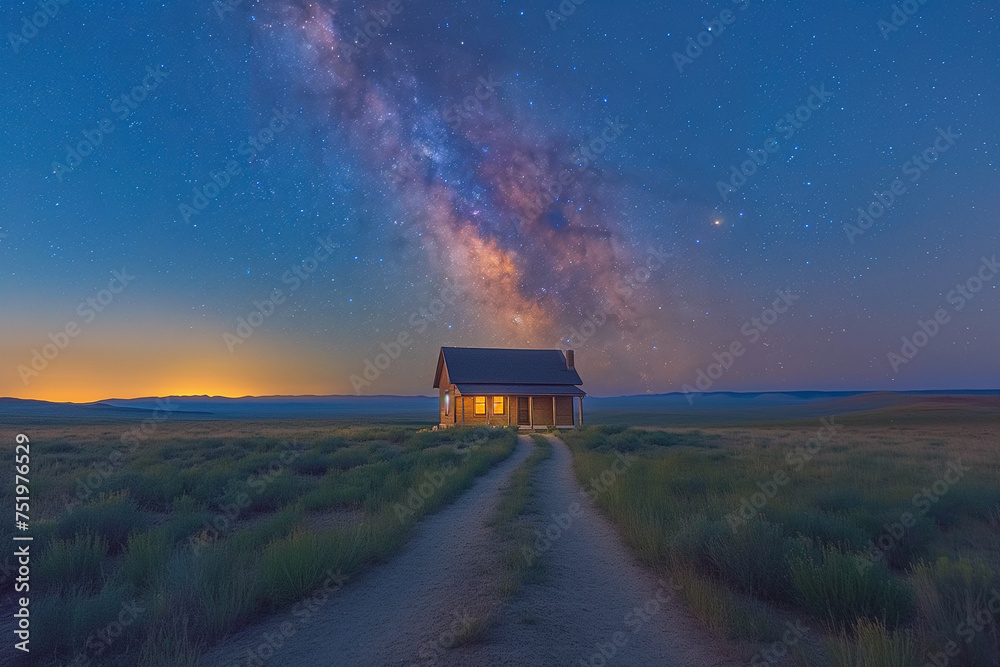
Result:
{"points": [[498, 407], [447, 403], [479, 403]]}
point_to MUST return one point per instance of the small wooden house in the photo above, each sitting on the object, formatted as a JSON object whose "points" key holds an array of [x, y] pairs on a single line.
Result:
{"points": [[498, 387]]}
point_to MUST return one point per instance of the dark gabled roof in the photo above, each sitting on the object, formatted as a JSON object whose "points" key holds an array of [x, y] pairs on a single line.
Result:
{"points": [[465, 389], [478, 365]]}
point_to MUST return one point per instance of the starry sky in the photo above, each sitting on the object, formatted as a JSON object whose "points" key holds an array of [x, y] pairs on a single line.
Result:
{"points": [[311, 197]]}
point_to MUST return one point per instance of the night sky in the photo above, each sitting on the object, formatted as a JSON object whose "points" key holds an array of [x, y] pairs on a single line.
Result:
{"points": [[258, 198]]}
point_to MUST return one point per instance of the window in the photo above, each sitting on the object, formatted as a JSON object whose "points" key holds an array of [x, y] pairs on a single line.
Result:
{"points": [[447, 403], [479, 405], [498, 407]]}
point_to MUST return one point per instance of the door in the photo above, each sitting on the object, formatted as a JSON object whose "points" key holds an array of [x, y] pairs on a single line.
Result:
{"points": [[523, 418]]}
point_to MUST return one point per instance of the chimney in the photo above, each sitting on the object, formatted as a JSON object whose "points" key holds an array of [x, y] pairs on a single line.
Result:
{"points": [[570, 360]]}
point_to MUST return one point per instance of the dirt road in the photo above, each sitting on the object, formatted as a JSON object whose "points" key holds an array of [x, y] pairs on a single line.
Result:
{"points": [[597, 605], [596, 601]]}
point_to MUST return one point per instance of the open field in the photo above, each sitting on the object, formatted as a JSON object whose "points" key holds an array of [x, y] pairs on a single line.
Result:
{"points": [[866, 539], [876, 535], [196, 529]]}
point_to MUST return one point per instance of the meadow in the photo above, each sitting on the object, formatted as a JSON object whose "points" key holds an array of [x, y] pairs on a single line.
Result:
{"points": [[148, 552], [869, 540]]}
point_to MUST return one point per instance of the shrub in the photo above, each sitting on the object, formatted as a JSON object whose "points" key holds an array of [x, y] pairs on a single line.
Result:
{"points": [[840, 588], [311, 463], [293, 566], [954, 594], [755, 559], [913, 544], [113, 517], [720, 608], [66, 624], [76, 562], [663, 439], [328, 445], [872, 645], [348, 458], [145, 558], [826, 529], [626, 441], [272, 492], [155, 487]]}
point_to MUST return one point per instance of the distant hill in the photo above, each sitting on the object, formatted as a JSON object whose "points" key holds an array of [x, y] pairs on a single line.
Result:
{"points": [[644, 408], [419, 408]]}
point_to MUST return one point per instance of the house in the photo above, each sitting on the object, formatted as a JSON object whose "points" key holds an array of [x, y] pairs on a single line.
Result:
{"points": [[498, 387]]}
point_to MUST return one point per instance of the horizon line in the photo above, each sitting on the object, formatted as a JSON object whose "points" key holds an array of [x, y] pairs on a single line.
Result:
{"points": [[403, 396]]}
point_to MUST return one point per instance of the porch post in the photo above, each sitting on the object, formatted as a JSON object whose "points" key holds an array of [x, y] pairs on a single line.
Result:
{"points": [[531, 414], [581, 410], [553, 412], [463, 411]]}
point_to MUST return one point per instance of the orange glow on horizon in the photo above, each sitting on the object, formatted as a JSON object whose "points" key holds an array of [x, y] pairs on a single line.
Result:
{"points": [[125, 362]]}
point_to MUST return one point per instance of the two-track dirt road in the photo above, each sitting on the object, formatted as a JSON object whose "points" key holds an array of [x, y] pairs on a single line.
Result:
{"points": [[595, 596], [597, 605]]}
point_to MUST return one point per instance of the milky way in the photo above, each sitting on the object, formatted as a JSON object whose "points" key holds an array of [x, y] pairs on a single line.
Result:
{"points": [[517, 218]]}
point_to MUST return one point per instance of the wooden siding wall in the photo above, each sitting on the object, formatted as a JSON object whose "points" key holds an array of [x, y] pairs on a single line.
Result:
{"points": [[541, 408], [564, 411], [468, 405]]}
